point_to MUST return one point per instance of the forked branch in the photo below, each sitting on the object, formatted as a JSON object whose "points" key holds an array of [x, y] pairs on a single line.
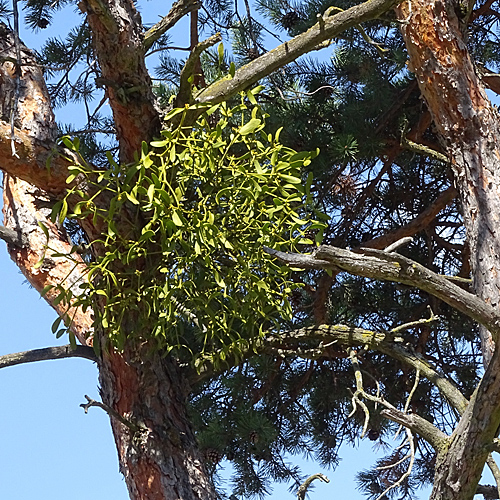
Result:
{"points": [[177, 12], [377, 264]]}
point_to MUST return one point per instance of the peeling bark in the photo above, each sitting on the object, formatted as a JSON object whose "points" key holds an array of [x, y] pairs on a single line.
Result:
{"points": [[25, 204], [162, 462], [469, 128], [117, 36]]}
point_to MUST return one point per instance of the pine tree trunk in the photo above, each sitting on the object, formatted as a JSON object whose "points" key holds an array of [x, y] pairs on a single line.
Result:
{"points": [[158, 453], [468, 126]]}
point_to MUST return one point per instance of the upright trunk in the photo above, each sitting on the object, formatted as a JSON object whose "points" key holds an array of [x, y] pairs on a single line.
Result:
{"points": [[158, 453], [117, 36], [468, 126]]}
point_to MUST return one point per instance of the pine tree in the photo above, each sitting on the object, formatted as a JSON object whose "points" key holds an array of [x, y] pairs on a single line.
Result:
{"points": [[298, 363]]}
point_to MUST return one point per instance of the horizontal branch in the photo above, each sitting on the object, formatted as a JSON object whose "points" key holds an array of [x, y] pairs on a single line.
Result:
{"points": [[489, 492], [47, 353], [377, 264], [391, 344], [327, 28]]}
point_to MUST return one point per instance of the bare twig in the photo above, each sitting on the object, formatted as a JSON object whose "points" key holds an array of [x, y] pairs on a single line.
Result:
{"points": [[112, 413], [419, 322], [410, 396], [411, 456], [398, 243], [359, 391], [12, 237]]}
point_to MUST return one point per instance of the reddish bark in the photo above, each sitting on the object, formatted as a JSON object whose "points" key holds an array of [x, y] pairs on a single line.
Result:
{"points": [[468, 126], [117, 36], [162, 461]]}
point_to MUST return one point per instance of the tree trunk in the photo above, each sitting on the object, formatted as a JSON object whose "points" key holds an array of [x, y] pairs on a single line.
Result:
{"points": [[158, 454], [468, 126], [117, 36]]}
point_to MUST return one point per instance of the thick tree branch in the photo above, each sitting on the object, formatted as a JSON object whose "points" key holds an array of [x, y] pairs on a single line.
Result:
{"points": [[489, 492], [377, 264], [25, 208], [417, 424], [416, 225], [327, 28], [489, 78], [38, 160], [47, 353], [319, 340], [177, 12], [392, 344]]}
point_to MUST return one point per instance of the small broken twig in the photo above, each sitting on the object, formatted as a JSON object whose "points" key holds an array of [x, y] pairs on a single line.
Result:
{"points": [[112, 413], [301, 492], [397, 244]]}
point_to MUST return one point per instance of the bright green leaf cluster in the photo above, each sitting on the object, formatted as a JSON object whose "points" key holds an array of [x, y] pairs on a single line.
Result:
{"points": [[181, 258]]}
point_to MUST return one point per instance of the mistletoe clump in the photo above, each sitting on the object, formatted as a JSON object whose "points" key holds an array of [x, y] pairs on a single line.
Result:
{"points": [[181, 252]]}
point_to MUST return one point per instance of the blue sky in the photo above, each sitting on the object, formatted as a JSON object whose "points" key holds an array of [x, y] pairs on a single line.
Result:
{"points": [[50, 448]]}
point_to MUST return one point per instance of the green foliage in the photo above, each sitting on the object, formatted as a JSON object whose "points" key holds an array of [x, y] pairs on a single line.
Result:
{"points": [[181, 253], [350, 101]]}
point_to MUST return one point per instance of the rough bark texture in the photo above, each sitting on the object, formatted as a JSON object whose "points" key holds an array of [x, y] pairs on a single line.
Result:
{"points": [[117, 36], [469, 128], [162, 462], [27, 205], [389, 266]]}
